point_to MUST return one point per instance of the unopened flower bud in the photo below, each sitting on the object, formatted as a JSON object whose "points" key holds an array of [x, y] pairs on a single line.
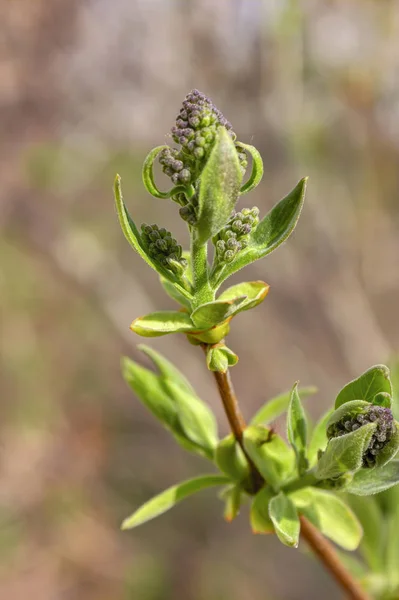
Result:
{"points": [[163, 248], [359, 415]]}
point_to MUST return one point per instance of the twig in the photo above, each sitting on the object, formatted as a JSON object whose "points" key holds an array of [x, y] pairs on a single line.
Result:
{"points": [[317, 542], [329, 557]]}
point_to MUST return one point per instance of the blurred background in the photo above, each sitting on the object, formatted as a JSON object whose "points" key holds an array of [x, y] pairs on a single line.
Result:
{"points": [[86, 89]]}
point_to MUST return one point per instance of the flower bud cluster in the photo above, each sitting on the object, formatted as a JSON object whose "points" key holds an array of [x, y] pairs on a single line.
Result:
{"points": [[195, 132], [374, 414], [234, 236], [162, 247]]}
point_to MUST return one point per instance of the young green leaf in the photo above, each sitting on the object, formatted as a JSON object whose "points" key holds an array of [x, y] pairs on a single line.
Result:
{"points": [[297, 430], [259, 515], [271, 455], [149, 389], [373, 481], [345, 453], [195, 418], [133, 236], [231, 459], [390, 449], [219, 187], [257, 168], [270, 233], [166, 368], [190, 421], [174, 293], [367, 386], [212, 313], [318, 439], [170, 497], [231, 497], [284, 517], [254, 293], [330, 515], [277, 406], [162, 323]]}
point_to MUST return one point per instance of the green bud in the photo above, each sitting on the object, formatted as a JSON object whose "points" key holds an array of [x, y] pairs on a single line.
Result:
{"points": [[231, 460], [220, 358]]}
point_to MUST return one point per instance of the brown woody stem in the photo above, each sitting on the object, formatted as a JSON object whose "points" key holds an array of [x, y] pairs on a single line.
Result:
{"points": [[317, 542]]}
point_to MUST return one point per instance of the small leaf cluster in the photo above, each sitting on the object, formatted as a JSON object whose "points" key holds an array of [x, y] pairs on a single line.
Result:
{"points": [[296, 476]]}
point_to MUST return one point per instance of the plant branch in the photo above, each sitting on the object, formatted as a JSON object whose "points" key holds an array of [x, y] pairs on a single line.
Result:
{"points": [[317, 542], [329, 557]]}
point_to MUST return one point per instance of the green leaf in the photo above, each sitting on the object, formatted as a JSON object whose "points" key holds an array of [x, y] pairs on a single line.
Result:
{"points": [[231, 459], [345, 453], [348, 410], [285, 519], [318, 440], [174, 293], [132, 235], [148, 176], [257, 168], [149, 389], [330, 515], [371, 519], [219, 187], [212, 313], [383, 399], [232, 502], [166, 368], [271, 232], [390, 449], [373, 481], [366, 386], [195, 418], [277, 406], [254, 292], [190, 421], [297, 430], [162, 323], [259, 515], [170, 497], [271, 455], [219, 358]]}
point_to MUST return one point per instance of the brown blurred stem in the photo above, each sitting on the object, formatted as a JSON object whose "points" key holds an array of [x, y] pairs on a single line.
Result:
{"points": [[317, 542], [329, 557]]}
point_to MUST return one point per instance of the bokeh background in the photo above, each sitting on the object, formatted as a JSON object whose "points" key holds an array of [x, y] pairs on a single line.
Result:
{"points": [[86, 89]]}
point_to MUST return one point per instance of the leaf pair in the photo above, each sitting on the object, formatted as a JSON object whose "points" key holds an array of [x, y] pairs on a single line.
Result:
{"points": [[212, 317], [172, 400], [327, 512]]}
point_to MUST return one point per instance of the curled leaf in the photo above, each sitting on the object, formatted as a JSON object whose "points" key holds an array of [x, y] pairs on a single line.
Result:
{"points": [[257, 168], [148, 176]]}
